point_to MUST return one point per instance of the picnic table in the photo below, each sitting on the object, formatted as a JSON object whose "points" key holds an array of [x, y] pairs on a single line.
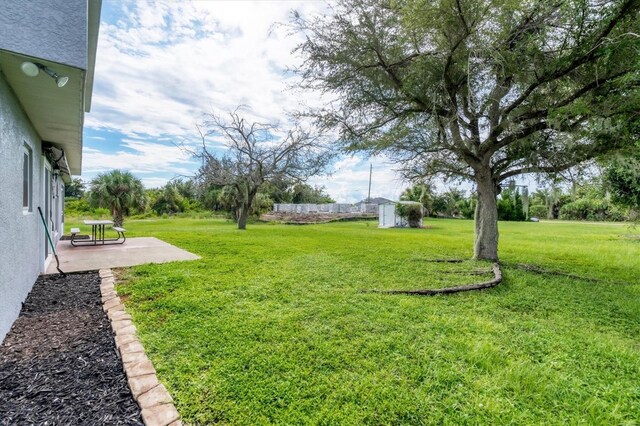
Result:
{"points": [[98, 234]]}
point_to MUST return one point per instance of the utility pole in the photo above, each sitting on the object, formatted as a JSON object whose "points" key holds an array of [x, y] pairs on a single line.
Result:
{"points": [[370, 172]]}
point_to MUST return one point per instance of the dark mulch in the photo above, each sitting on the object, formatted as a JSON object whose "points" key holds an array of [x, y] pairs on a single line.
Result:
{"points": [[59, 365]]}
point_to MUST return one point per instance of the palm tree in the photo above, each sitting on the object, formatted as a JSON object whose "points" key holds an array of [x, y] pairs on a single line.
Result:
{"points": [[422, 193], [119, 191]]}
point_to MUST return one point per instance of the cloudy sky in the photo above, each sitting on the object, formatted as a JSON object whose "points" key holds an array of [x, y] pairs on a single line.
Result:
{"points": [[162, 65]]}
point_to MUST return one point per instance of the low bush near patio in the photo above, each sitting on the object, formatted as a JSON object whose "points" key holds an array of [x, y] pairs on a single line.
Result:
{"points": [[272, 325]]}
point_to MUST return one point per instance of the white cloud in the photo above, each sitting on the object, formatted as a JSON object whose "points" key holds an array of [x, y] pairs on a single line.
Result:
{"points": [[156, 74], [140, 157], [154, 182], [162, 64]]}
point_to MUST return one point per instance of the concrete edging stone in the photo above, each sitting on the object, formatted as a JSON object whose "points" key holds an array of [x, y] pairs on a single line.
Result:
{"points": [[152, 397]]}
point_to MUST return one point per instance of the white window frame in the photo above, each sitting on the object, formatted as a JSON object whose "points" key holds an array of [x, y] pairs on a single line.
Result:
{"points": [[27, 208]]}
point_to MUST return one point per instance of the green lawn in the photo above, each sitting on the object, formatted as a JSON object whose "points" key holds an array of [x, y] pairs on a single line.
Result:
{"points": [[271, 326]]}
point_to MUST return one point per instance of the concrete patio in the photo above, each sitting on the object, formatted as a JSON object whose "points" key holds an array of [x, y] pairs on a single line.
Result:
{"points": [[135, 251]]}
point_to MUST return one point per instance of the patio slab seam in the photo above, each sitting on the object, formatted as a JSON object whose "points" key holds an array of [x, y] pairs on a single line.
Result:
{"points": [[153, 398]]}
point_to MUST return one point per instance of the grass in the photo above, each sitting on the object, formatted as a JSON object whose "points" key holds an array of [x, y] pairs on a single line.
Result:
{"points": [[271, 326]]}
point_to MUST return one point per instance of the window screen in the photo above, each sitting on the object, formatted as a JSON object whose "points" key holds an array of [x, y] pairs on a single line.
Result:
{"points": [[27, 171]]}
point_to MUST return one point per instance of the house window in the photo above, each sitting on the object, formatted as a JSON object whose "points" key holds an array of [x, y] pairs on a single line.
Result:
{"points": [[27, 180]]}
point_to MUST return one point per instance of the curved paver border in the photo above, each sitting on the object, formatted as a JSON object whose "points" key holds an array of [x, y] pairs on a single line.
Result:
{"points": [[152, 397]]}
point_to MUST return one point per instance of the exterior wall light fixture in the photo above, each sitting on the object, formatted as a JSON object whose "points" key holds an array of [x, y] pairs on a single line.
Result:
{"points": [[33, 69]]}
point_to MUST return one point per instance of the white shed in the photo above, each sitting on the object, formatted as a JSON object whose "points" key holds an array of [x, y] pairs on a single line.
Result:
{"points": [[388, 216]]}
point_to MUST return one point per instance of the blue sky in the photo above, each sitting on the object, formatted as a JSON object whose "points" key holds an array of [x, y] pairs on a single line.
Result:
{"points": [[162, 65]]}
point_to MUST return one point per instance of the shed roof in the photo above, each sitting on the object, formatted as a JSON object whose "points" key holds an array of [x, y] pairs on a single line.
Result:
{"points": [[376, 200], [403, 202]]}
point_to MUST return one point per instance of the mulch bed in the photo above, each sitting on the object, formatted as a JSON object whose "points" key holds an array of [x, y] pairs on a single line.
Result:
{"points": [[58, 364]]}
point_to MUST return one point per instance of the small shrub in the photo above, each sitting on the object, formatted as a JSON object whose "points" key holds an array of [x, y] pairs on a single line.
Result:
{"points": [[590, 209], [617, 214], [77, 207], [538, 210], [261, 205], [411, 212], [467, 208], [169, 202], [577, 210]]}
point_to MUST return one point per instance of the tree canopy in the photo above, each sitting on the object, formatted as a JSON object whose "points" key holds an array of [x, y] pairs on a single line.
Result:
{"points": [[75, 188], [478, 90], [623, 179], [119, 191]]}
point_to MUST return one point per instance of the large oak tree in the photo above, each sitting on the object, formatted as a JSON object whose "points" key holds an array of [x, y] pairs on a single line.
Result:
{"points": [[475, 89]]}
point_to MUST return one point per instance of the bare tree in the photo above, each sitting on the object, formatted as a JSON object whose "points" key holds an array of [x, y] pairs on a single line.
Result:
{"points": [[256, 153]]}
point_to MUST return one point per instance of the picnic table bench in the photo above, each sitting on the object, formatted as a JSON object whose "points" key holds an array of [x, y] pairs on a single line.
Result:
{"points": [[98, 234]]}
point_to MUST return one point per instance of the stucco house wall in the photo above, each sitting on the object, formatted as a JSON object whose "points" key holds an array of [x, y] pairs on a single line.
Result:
{"points": [[21, 239], [54, 30], [35, 112]]}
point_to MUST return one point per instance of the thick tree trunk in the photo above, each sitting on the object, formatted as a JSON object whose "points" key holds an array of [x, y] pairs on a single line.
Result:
{"points": [[243, 215], [245, 208], [486, 218]]}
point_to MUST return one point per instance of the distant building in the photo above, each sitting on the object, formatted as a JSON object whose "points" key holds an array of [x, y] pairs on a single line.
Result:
{"points": [[47, 57], [377, 201]]}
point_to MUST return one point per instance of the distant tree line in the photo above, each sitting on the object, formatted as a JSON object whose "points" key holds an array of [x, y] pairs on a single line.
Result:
{"points": [[612, 195], [186, 197]]}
